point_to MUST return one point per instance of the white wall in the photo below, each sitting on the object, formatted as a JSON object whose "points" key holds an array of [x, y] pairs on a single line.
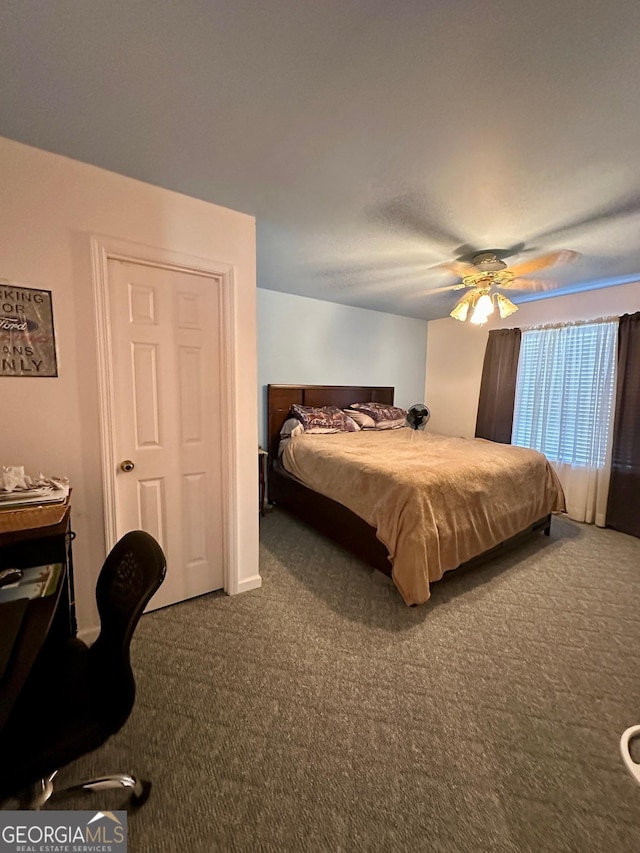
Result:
{"points": [[49, 207], [455, 350], [311, 342]]}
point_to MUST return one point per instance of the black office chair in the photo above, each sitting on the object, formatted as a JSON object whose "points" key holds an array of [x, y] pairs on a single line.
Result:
{"points": [[79, 695]]}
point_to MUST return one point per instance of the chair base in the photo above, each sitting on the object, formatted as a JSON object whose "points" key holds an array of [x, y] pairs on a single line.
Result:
{"points": [[44, 790], [632, 766]]}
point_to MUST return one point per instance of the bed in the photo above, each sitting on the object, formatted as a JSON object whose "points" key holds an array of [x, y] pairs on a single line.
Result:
{"points": [[412, 504]]}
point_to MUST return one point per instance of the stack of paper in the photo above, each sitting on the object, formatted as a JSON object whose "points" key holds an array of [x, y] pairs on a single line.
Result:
{"points": [[33, 497], [18, 489]]}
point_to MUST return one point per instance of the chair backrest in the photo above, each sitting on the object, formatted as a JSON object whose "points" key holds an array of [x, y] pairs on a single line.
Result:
{"points": [[131, 574]]}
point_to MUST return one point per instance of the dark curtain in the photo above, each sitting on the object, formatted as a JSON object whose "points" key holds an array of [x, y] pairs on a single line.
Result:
{"points": [[498, 386], [623, 508]]}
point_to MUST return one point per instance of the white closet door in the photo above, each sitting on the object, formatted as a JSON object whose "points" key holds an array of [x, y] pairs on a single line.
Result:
{"points": [[165, 336]]}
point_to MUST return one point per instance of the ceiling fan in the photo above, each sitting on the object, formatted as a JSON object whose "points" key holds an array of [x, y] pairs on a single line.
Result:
{"points": [[487, 274]]}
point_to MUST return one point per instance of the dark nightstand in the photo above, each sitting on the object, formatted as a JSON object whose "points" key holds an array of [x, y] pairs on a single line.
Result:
{"points": [[263, 458]]}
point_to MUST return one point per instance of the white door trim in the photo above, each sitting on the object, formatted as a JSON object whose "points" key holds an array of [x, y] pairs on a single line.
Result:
{"points": [[104, 249]]}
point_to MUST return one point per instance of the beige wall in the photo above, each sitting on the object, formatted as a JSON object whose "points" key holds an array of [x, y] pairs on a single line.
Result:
{"points": [[49, 207], [455, 351], [454, 366]]}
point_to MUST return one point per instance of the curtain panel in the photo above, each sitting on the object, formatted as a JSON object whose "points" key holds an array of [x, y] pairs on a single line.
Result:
{"points": [[498, 386], [623, 509]]}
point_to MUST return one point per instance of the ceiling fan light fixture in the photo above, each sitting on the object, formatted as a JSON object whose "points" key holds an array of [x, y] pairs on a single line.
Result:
{"points": [[475, 306], [478, 318], [460, 312], [463, 306], [505, 306], [485, 305]]}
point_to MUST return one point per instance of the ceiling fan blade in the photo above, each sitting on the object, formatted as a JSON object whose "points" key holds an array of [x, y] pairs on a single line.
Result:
{"points": [[457, 268], [564, 256], [409, 213], [436, 291], [392, 265], [531, 285], [626, 206], [448, 289]]}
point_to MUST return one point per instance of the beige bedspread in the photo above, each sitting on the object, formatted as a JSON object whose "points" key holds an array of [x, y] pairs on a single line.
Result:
{"points": [[435, 501]]}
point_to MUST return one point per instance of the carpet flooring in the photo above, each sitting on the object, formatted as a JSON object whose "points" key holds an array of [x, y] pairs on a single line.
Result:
{"points": [[319, 713]]}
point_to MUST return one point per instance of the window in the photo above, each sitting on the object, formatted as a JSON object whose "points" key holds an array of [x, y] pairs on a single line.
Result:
{"points": [[565, 390]]}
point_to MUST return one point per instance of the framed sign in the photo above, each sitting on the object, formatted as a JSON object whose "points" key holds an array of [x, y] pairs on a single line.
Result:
{"points": [[27, 339]]}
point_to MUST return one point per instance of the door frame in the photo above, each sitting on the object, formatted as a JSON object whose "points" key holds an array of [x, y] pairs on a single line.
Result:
{"points": [[104, 249]]}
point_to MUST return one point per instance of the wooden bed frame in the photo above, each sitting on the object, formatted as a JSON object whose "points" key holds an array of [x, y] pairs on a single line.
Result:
{"points": [[330, 518]]}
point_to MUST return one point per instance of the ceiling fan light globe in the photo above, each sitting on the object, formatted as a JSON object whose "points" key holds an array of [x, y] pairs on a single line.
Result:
{"points": [[485, 305], [478, 318], [505, 306], [460, 311], [463, 306]]}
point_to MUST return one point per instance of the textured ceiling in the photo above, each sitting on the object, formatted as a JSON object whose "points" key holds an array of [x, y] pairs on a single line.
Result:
{"points": [[372, 141]]}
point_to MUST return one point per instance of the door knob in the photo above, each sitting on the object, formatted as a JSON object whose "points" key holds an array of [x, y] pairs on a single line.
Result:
{"points": [[127, 465]]}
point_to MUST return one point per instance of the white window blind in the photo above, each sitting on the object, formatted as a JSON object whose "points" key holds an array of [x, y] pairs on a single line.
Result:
{"points": [[565, 392]]}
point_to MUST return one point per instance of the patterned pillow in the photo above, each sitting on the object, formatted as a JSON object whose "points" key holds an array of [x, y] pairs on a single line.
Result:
{"points": [[381, 413], [323, 419]]}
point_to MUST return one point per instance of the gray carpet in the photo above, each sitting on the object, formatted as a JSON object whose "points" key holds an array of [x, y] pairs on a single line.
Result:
{"points": [[321, 714]]}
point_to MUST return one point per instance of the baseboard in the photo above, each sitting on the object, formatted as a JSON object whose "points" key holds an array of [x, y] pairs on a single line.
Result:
{"points": [[254, 582], [90, 635]]}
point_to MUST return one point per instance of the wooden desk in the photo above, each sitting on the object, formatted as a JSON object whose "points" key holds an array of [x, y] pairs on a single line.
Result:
{"points": [[25, 543], [37, 626]]}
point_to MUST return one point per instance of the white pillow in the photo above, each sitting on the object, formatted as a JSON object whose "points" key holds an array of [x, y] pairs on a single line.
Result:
{"points": [[291, 427], [391, 424], [363, 420]]}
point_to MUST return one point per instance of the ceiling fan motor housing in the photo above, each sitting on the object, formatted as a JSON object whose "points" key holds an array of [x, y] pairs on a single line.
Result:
{"points": [[488, 261]]}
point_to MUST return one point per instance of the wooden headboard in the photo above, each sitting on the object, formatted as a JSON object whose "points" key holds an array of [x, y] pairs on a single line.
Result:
{"points": [[280, 398]]}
